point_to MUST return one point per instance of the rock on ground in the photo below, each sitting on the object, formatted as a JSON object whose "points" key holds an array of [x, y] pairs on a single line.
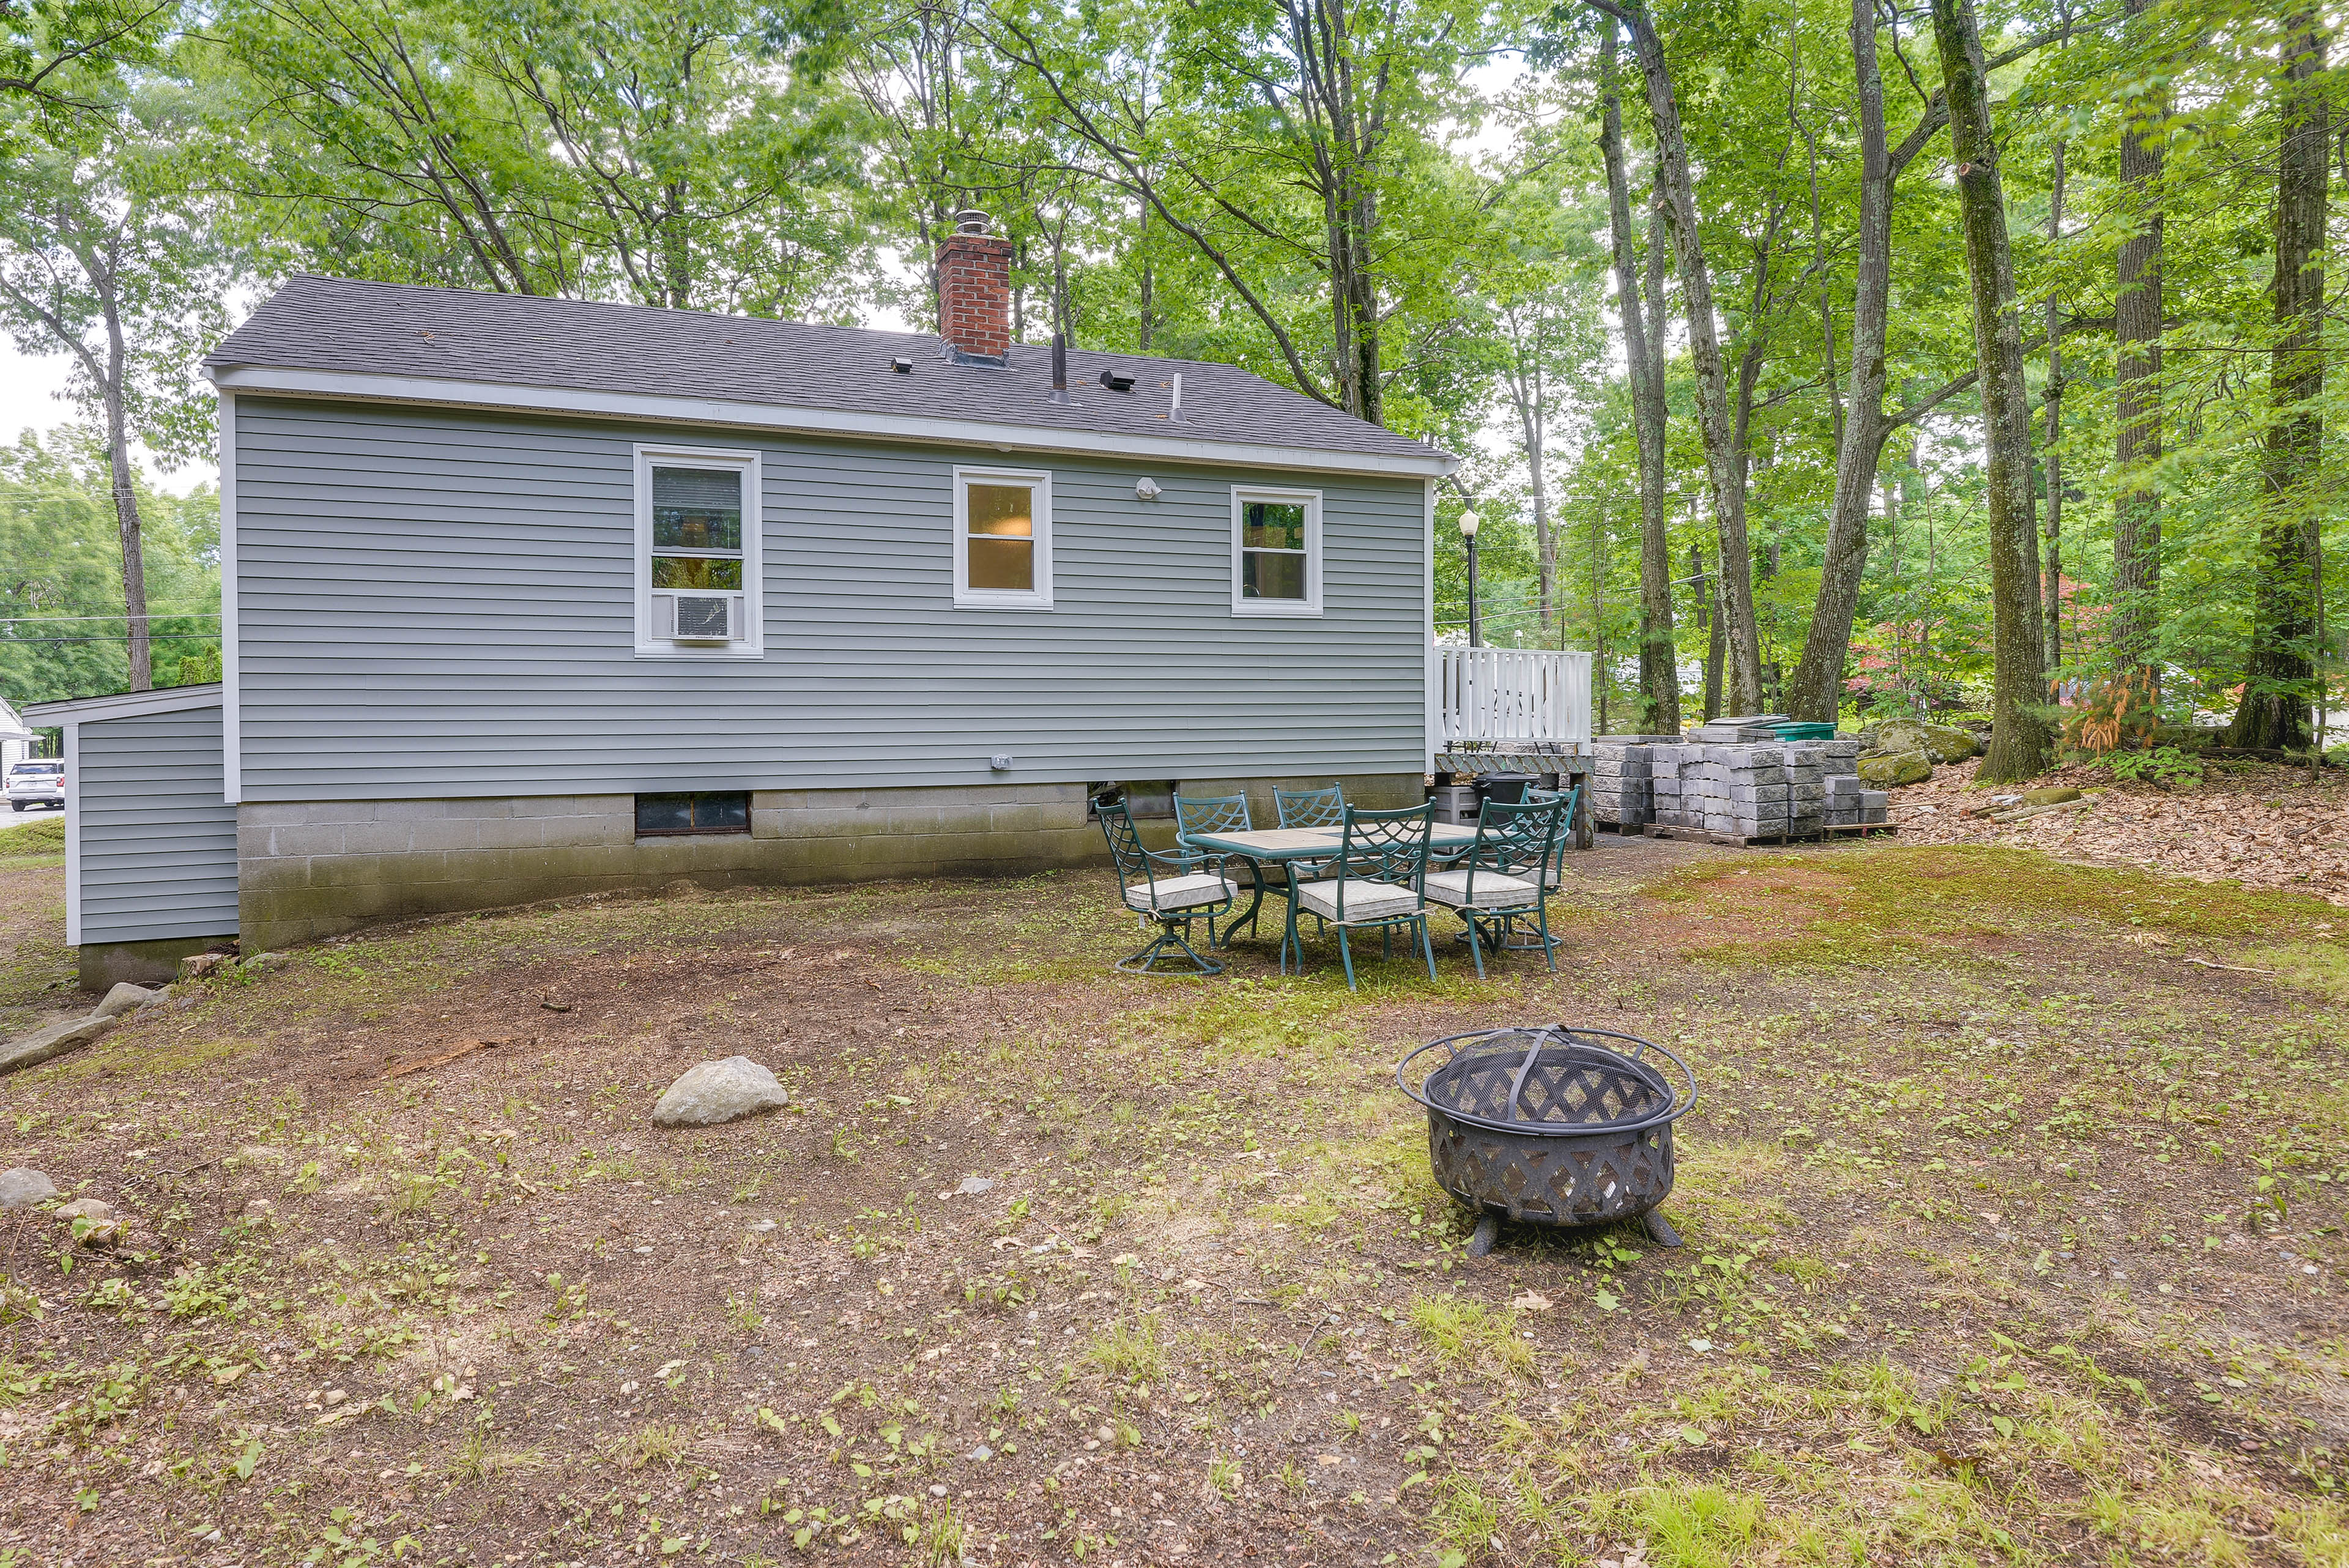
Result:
{"points": [[196, 966], [122, 999], [21, 1187], [715, 1092], [1889, 770], [30, 1050], [1940, 743]]}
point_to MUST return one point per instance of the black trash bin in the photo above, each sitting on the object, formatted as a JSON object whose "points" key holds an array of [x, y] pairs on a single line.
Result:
{"points": [[1509, 789]]}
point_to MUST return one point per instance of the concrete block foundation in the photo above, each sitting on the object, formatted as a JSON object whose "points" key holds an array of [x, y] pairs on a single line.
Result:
{"points": [[103, 965], [308, 869]]}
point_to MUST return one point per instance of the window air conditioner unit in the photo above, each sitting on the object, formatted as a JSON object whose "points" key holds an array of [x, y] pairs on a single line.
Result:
{"points": [[698, 618]]}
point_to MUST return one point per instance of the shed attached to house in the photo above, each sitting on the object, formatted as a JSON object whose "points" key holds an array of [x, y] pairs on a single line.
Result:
{"points": [[151, 841]]}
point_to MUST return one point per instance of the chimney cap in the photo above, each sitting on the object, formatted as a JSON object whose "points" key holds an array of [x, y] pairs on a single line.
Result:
{"points": [[970, 220]]}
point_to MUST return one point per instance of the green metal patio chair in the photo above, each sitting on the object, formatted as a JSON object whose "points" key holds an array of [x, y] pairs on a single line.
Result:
{"points": [[1173, 899], [1554, 872], [1373, 883], [1311, 808], [1505, 877], [1210, 813]]}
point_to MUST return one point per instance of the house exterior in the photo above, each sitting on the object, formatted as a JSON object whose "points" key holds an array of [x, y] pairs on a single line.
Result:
{"points": [[526, 597]]}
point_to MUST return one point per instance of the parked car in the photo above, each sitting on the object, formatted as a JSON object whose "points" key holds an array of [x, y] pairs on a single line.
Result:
{"points": [[41, 782]]}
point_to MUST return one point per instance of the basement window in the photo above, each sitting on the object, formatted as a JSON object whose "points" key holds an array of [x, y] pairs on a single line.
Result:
{"points": [[678, 815]]}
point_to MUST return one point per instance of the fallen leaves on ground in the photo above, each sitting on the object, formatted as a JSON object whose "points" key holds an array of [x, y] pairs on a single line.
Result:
{"points": [[2263, 827]]}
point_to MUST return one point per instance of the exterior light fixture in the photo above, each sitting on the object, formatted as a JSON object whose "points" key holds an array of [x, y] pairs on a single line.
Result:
{"points": [[1468, 521]]}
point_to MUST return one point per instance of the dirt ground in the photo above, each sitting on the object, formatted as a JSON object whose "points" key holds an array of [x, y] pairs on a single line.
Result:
{"points": [[2013, 1235], [2252, 823]]}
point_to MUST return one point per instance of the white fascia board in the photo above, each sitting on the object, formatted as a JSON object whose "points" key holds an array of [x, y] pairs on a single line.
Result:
{"points": [[128, 704], [707, 411]]}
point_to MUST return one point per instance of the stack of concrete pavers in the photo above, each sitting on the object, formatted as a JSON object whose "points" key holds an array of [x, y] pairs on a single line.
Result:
{"points": [[1756, 729], [1743, 789], [1851, 804], [1622, 791]]}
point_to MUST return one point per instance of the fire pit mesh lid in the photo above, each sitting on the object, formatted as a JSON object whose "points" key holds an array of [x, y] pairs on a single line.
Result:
{"points": [[1551, 1079]]}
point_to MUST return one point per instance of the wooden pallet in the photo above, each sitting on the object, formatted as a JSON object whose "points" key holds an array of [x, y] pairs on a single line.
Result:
{"points": [[1760, 840]]}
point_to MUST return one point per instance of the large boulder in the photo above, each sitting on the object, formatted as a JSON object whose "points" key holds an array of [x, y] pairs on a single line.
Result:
{"points": [[1940, 743], [1896, 735], [21, 1187], [1891, 770], [124, 998], [1950, 742], [717, 1092], [30, 1050]]}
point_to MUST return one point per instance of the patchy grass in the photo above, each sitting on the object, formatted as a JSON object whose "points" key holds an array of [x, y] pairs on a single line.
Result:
{"points": [[32, 839], [2011, 1238], [1880, 903]]}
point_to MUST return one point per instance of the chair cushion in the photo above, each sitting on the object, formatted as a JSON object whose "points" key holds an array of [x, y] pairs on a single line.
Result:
{"points": [[1493, 891], [1365, 900], [1179, 892]]}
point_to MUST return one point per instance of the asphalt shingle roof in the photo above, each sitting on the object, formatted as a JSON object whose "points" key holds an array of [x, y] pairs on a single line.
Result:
{"points": [[517, 340]]}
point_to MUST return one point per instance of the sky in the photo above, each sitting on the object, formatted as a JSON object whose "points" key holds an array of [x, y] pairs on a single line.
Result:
{"points": [[30, 400]]}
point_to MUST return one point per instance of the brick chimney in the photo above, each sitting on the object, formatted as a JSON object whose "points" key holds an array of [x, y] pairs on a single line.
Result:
{"points": [[975, 292]]}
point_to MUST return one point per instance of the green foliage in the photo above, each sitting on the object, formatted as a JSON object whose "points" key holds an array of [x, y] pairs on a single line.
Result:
{"points": [[2163, 764], [61, 573]]}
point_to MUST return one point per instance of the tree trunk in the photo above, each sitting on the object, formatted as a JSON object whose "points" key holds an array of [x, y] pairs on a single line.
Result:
{"points": [[2051, 599], [1679, 187], [126, 495], [1816, 686], [1660, 675], [2278, 684], [1600, 676], [1147, 324], [1708, 595], [2137, 375], [1545, 543], [2019, 739], [1816, 692]]}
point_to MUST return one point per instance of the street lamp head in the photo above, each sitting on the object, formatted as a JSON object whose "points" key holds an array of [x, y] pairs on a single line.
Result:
{"points": [[1468, 525]]}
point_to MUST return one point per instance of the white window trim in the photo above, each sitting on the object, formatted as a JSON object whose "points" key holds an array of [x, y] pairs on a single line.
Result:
{"points": [[752, 644], [1039, 597], [1310, 604]]}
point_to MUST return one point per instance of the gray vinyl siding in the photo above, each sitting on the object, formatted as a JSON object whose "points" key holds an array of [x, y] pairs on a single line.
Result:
{"points": [[441, 604], [158, 843]]}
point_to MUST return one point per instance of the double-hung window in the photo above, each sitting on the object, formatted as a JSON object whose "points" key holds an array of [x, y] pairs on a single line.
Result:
{"points": [[1276, 551], [1002, 538], [697, 553]]}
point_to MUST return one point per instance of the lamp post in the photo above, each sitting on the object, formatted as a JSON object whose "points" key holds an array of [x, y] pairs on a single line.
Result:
{"points": [[1468, 538]]}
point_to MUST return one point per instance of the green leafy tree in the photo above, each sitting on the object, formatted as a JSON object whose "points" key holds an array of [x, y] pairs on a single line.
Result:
{"points": [[105, 257], [61, 623]]}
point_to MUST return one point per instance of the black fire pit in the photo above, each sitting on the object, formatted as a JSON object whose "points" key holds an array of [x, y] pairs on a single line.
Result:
{"points": [[1550, 1124]]}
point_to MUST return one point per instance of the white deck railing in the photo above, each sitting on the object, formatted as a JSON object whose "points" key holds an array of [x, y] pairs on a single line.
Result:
{"points": [[1493, 698]]}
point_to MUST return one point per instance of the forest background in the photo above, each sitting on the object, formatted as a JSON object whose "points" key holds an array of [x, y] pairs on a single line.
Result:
{"points": [[1705, 293]]}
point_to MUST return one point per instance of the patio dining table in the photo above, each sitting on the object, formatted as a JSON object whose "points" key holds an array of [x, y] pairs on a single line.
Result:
{"points": [[1279, 845]]}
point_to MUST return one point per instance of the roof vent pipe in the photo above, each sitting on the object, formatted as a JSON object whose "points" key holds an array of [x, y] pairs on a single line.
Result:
{"points": [[1175, 409], [1060, 369]]}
